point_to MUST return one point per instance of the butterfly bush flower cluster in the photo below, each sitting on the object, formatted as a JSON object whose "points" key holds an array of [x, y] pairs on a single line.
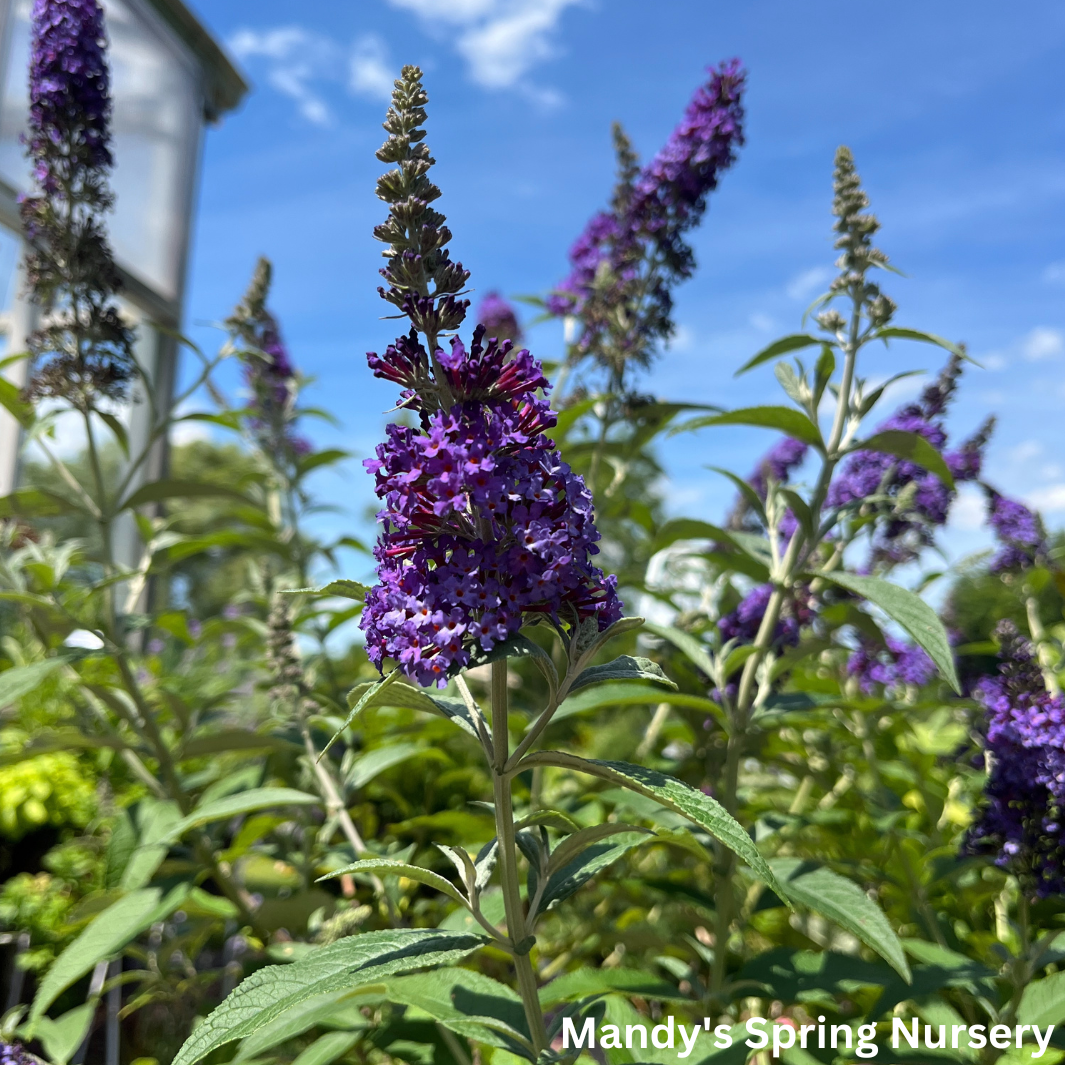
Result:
{"points": [[743, 623], [893, 666], [85, 351], [627, 259], [269, 373], [499, 318], [1018, 531], [484, 524], [13, 1054], [1021, 824], [921, 500]]}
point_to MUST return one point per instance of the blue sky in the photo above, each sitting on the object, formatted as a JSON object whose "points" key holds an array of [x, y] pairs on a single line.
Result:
{"points": [[955, 113]]}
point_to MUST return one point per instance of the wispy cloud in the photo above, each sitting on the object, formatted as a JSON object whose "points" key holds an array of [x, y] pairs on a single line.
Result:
{"points": [[805, 284], [305, 66], [1054, 274], [1048, 500], [1043, 343], [501, 40]]}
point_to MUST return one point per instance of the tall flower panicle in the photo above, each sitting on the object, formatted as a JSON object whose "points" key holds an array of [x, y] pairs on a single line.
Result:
{"points": [[271, 378], [485, 526], [499, 318], [920, 502], [625, 263], [743, 623], [84, 353], [1019, 532], [1021, 825]]}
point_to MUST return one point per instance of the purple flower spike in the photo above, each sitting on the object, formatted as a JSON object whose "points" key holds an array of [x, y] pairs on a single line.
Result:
{"points": [[745, 621], [894, 665], [1018, 530], [1021, 825], [13, 1054], [485, 527]]}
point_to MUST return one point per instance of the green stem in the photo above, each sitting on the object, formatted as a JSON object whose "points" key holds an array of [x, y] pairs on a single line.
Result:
{"points": [[508, 858]]}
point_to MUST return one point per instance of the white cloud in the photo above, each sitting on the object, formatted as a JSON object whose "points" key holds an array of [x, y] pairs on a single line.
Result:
{"points": [[1043, 343], [1054, 274], [762, 322], [803, 285], [969, 509], [301, 64], [993, 362], [1048, 500], [1026, 450], [501, 40], [369, 71]]}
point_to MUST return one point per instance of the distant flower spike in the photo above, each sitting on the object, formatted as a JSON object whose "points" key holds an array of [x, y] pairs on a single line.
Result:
{"points": [[85, 352], [1018, 530], [499, 318]]}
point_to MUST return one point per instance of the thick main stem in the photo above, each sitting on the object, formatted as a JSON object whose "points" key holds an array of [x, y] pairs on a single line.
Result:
{"points": [[508, 859]]}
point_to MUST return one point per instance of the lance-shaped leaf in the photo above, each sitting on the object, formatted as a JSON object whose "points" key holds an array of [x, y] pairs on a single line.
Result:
{"points": [[338, 1009], [369, 765], [901, 333], [696, 651], [14, 683], [675, 795], [795, 342], [910, 611], [352, 962], [628, 694], [786, 419], [159, 491], [244, 802], [582, 866], [392, 868], [688, 529], [911, 446], [843, 902], [405, 696], [345, 589], [469, 1004], [104, 937], [626, 667]]}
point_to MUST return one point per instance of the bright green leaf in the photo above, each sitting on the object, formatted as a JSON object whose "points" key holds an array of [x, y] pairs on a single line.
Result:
{"points": [[387, 867], [787, 419], [795, 342], [352, 962], [14, 683], [1043, 1001], [911, 446], [245, 802], [625, 667], [910, 611]]}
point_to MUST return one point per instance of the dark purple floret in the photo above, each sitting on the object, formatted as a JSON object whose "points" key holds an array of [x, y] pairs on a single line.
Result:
{"points": [[1021, 825], [1019, 532], [778, 463], [13, 1054], [894, 665], [743, 623], [499, 318]]}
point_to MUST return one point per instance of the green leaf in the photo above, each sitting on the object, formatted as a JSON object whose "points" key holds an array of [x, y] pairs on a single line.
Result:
{"points": [[327, 1048], [37, 503], [694, 649], [407, 697], [234, 740], [787, 419], [625, 667], [331, 1009], [581, 983], [62, 1037], [899, 333], [352, 962], [1043, 1001], [104, 937], [675, 795], [469, 1004], [344, 588], [11, 399], [688, 529], [14, 683], [155, 819], [911, 446], [795, 342], [910, 611], [842, 901], [158, 491], [572, 846], [564, 880], [245, 802], [393, 868], [368, 765], [118, 430], [625, 693]]}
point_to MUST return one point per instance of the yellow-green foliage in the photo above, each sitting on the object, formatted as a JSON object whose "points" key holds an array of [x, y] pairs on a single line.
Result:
{"points": [[51, 789]]}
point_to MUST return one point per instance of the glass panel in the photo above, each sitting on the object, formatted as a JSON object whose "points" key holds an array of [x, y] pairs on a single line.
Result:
{"points": [[157, 117]]}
